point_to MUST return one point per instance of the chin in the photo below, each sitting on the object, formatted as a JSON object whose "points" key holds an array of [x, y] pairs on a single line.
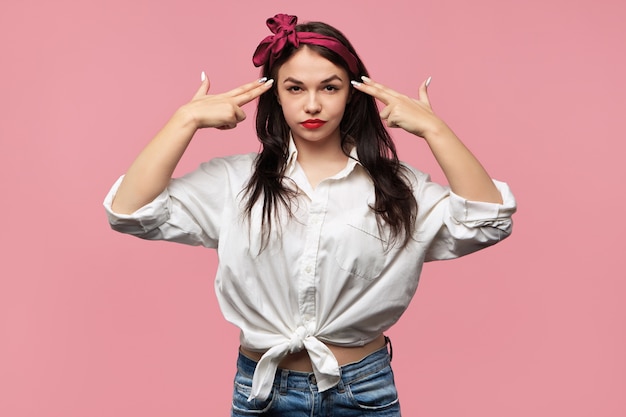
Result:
{"points": [[315, 135]]}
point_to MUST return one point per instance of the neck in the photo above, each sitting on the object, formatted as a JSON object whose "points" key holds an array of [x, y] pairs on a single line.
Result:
{"points": [[321, 151], [320, 160], [313, 154]]}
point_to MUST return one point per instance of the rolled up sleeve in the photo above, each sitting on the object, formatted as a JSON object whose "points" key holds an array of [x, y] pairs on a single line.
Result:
{"points": [[477, 213], [454, 226], [188, 211], [144, 220]]}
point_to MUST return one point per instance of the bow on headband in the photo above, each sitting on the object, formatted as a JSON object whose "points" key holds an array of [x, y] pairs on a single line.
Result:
{"points": [[284, 28]]}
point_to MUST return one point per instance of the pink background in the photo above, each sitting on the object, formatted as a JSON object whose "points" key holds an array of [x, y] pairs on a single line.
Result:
{"points": [[94, 323]]}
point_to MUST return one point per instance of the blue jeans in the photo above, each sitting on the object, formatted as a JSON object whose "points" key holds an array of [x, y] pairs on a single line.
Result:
{"points": [[366, 388]]}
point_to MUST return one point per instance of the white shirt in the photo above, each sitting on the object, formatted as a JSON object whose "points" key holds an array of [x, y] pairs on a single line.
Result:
{"points": [[327, 275]]}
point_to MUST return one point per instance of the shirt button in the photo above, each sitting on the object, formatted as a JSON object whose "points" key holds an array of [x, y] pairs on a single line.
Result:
{"points": [[308, 269]]}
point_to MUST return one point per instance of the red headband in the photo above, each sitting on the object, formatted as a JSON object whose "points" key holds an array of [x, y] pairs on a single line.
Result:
{"points": [[284, 28]]}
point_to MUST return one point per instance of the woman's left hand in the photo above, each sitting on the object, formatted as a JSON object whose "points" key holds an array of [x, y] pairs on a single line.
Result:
{"points": [[465, 174], [413, 115]]}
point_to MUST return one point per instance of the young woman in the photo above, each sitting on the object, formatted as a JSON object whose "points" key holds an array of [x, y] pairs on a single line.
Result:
{"points": [[322, 235]]}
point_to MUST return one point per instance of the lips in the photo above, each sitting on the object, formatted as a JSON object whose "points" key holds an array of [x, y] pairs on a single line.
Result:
{"points": [[313, 123]]}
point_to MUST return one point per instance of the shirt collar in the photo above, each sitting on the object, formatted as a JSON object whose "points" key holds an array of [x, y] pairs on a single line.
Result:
{"points": [[292, 159]]}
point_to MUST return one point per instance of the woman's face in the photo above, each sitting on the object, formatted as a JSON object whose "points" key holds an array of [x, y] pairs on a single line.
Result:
{"points": [[313, 93]]}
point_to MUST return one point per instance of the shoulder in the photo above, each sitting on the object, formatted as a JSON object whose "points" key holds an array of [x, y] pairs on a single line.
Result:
{"points": [[413, 175], [233, 160], [232, 164], [233, 169]]}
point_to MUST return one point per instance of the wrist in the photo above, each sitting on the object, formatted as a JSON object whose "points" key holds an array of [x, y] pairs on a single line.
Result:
{"points": [[185, 119], [437, 131]]}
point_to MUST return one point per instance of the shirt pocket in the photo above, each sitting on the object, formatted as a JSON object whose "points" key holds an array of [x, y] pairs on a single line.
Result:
{"points": [[361, 250]]}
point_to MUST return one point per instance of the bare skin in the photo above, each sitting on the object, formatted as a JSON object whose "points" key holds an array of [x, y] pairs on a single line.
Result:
{"points": [[301, 362], [311, 87]]}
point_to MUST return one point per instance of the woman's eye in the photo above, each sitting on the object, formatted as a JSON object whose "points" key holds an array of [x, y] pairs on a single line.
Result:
{"points": [[294, 88], [330, 88]]}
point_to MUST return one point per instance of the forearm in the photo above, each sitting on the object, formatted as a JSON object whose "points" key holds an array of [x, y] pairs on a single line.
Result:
{"points": [[465, 174], [152, 170]]}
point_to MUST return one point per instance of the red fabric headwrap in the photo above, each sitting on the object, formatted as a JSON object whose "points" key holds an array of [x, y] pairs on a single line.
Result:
{"points": [[284, 28]]}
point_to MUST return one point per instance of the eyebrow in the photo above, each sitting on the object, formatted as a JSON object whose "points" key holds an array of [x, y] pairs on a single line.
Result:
{"points": [[327, 80]]}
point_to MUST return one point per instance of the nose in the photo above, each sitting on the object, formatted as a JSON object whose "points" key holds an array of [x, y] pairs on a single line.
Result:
{"points": [[312, 104]]}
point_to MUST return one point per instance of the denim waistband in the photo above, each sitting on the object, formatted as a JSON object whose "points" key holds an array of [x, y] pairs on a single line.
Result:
{"points": [[350, 373]]}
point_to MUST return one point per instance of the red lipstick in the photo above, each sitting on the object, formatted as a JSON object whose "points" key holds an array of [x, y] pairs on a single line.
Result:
{"points": [[313, 123]]}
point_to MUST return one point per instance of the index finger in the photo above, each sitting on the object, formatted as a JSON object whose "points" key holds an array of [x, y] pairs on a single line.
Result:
{"points": [[376, 90], [248, 92]]}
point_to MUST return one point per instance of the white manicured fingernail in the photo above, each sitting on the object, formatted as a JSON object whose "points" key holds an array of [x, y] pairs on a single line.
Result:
{"points": [[262, 80], [269, 82], [428, 81], [365, 79], [203, 76], [355, 83]]}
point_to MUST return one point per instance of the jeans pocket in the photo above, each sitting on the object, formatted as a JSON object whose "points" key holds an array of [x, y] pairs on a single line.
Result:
{"points": [[376, 391], [241, 392]]}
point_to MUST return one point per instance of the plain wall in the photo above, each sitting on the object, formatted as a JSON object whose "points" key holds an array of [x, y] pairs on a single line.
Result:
{"points": [[95, 323]]}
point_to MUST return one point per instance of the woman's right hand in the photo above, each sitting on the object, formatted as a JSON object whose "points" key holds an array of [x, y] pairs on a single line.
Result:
{"points": [[151, 171], [222, 111]]}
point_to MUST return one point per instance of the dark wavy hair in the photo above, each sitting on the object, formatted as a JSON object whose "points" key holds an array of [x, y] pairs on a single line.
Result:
{"points": [[361, 126]]}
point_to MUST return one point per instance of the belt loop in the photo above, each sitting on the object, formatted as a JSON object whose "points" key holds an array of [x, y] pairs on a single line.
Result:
{"points": [[283, 381], [388, 342], [341, 388]]}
